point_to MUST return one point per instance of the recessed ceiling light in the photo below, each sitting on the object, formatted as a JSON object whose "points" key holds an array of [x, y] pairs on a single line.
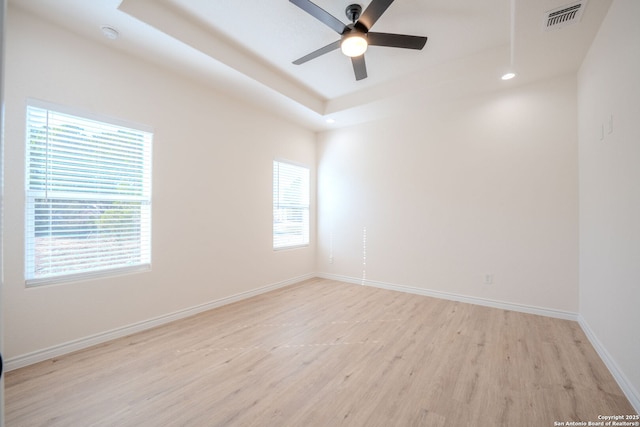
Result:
{"points": [[508, 76], [330, 121], [110, 32]]}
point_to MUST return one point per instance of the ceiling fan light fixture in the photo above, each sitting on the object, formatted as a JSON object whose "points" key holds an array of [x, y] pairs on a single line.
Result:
{"points": [[354, 45]]}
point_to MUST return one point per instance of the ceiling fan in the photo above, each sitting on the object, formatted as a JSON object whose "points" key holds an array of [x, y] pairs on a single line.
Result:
{"points": [[355, 37]]}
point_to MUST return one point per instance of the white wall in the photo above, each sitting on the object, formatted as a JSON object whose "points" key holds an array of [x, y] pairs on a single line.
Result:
{"points": [[3, 8], [484, 185], [609, 85], [212, 177]]}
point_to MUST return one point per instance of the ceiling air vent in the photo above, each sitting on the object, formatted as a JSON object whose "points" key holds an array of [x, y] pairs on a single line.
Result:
{"points": [[563, 16]]}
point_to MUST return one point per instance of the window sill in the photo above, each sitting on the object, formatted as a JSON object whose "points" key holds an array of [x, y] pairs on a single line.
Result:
{"points": [[77, 277]]}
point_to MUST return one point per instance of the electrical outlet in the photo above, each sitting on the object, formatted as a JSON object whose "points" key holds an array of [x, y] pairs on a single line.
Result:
{"points": [[488, 279]]}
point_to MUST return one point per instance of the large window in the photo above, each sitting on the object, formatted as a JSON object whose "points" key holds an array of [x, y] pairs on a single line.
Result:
{"points": [[290, 205], [88, 201]]}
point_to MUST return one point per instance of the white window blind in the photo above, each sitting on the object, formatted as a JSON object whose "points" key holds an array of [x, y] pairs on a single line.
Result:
{"points": [[290, 205], [88, 202]]}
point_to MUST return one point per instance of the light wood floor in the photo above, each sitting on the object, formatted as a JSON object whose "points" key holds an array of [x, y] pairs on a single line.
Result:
{"points": [[324, 353]]}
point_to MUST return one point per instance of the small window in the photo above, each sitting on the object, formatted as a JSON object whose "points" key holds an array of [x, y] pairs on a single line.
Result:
{"points": [[88, 201], [290, 205]]}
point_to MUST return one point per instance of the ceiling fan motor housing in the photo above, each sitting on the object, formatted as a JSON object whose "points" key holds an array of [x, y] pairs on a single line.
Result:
{"points": [[353, 12]]}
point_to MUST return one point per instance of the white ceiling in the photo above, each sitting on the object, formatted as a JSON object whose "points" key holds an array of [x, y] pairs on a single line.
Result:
{"points": [[246, 47]]}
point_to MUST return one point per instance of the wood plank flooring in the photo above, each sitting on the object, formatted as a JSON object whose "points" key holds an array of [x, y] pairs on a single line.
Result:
{"points": [[324, 353]]}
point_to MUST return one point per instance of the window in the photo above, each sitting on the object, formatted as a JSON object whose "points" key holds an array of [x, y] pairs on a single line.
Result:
{"points": [[88, 201], [290, 205]]}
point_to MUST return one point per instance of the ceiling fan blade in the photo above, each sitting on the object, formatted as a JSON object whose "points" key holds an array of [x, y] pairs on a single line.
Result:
{"points": [[371, 14], [328, 48], [321, 15], [359, 67], [396, 40]]}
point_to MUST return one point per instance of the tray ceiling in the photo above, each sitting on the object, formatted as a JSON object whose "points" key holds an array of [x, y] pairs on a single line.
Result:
{"points": [[247, 47]]}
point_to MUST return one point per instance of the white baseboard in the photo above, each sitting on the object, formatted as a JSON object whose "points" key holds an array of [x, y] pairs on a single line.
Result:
{"points": [[548, 312], [79, 344], [627, 388]]}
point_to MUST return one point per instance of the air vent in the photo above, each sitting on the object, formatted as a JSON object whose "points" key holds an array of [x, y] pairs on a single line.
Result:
{"points": [[563, 16]]}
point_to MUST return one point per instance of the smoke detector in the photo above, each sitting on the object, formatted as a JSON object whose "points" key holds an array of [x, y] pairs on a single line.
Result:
{"points": [[562, 16]]}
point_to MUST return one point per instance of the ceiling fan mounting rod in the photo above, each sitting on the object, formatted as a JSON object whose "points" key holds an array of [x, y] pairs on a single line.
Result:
{"points": [[353, 12]]}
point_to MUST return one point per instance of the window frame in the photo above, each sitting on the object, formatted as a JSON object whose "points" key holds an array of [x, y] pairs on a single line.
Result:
{"points": [[142, 203], [306, 206]]}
